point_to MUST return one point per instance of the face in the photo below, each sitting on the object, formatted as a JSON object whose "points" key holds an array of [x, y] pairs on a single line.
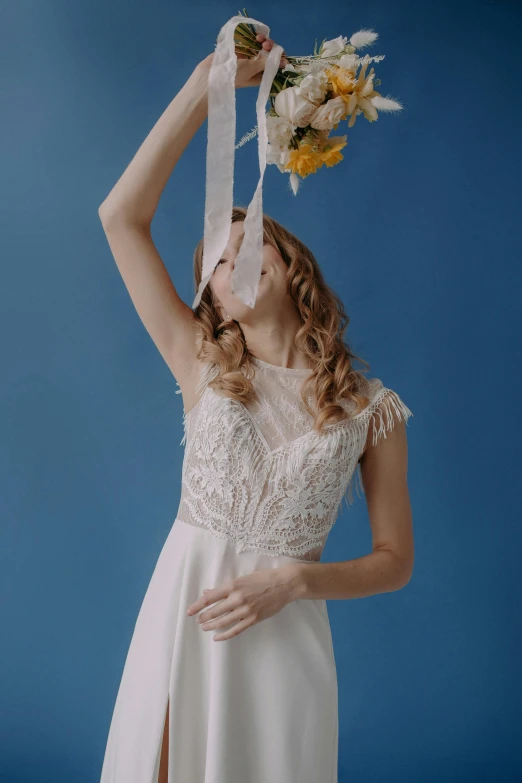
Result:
{"points": [[272, 291]]}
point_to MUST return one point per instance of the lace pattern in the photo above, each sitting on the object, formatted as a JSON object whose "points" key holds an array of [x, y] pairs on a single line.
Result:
{"points": [[261, 476]]}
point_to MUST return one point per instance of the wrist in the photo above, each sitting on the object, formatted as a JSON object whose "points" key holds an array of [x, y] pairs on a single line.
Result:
{"points": [[298, 584], [200, 74], [195, 92]]}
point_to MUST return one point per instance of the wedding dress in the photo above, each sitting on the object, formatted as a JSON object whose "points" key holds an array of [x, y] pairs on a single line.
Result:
{"points": [[260, 489]]}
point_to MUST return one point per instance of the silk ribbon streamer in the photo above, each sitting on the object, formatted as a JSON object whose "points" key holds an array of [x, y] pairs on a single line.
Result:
{"points": [[220, 165]]}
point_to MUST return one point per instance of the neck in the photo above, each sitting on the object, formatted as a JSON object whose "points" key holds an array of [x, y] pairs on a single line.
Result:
{"points": [[274, 342]]}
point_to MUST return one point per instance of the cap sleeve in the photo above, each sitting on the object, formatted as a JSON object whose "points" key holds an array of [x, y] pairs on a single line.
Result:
{"points": [[384, 410]]}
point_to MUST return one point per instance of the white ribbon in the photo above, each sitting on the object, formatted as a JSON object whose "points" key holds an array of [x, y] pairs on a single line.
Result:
{"points": [[220, 165]]}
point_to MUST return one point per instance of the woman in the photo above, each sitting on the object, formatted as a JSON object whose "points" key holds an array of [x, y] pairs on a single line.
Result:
{"points": [[277, 425]]}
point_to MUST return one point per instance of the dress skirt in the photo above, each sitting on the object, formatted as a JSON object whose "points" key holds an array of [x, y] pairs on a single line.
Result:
{"points": [[260, 707]]}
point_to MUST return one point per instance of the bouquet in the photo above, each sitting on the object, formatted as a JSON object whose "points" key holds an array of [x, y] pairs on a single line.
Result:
{"points": [[311, 96]]}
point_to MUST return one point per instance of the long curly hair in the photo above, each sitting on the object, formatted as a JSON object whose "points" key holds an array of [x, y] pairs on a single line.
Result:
{"points": [[320, 337]]}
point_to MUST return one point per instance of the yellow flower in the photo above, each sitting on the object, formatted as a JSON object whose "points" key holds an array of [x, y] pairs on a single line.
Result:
{"points": [[342, 83], [342, 80], [331, 154], [356, 93], [361, 97], [304, 161]]}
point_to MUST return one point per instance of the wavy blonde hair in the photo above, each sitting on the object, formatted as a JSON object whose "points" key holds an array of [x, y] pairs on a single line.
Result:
{"points": [[320, 337]]}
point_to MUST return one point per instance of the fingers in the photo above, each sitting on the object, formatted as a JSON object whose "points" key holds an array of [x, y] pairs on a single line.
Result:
{"points": [[234, 631], [223, 619], [209, 597], [267, 43]]}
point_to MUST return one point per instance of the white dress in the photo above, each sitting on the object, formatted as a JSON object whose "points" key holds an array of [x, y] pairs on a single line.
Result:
{"points": [[259, 489]]}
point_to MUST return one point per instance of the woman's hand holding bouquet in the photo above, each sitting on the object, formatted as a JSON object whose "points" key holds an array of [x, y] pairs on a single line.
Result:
{"points": [[249, 68]]}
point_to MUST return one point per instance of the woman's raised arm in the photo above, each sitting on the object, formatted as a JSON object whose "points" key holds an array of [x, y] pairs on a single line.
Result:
{"points": [[127, 212], [126, 216]]}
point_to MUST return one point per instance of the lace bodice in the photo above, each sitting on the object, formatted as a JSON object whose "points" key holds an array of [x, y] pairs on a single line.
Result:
{"points": [[259, 474]]}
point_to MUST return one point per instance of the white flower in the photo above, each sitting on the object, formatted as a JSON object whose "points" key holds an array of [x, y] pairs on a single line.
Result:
{"points": [[333, 47], [314, 86], [348, 61], [328, 114], [279, 130], [295, 107], [307, 66], [385, 104], [363, 38], [277, 157]]}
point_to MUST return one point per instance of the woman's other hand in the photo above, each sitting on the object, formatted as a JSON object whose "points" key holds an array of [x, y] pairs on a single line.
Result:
{"points": [[247, 600], [249, 71]]}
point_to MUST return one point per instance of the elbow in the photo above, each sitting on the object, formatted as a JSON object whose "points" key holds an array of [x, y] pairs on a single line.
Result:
{"points": [[105, 213], [400, 569], [109, 214], [404, 572], [403, 582], [113, 216]]}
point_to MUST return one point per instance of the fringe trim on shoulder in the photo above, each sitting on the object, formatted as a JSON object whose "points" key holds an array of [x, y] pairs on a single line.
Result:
{"points": [[208, 373], [388, 402], [380, 414]]}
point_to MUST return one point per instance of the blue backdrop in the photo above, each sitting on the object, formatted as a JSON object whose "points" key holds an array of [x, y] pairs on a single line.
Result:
{"points": [[418, 231]]}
